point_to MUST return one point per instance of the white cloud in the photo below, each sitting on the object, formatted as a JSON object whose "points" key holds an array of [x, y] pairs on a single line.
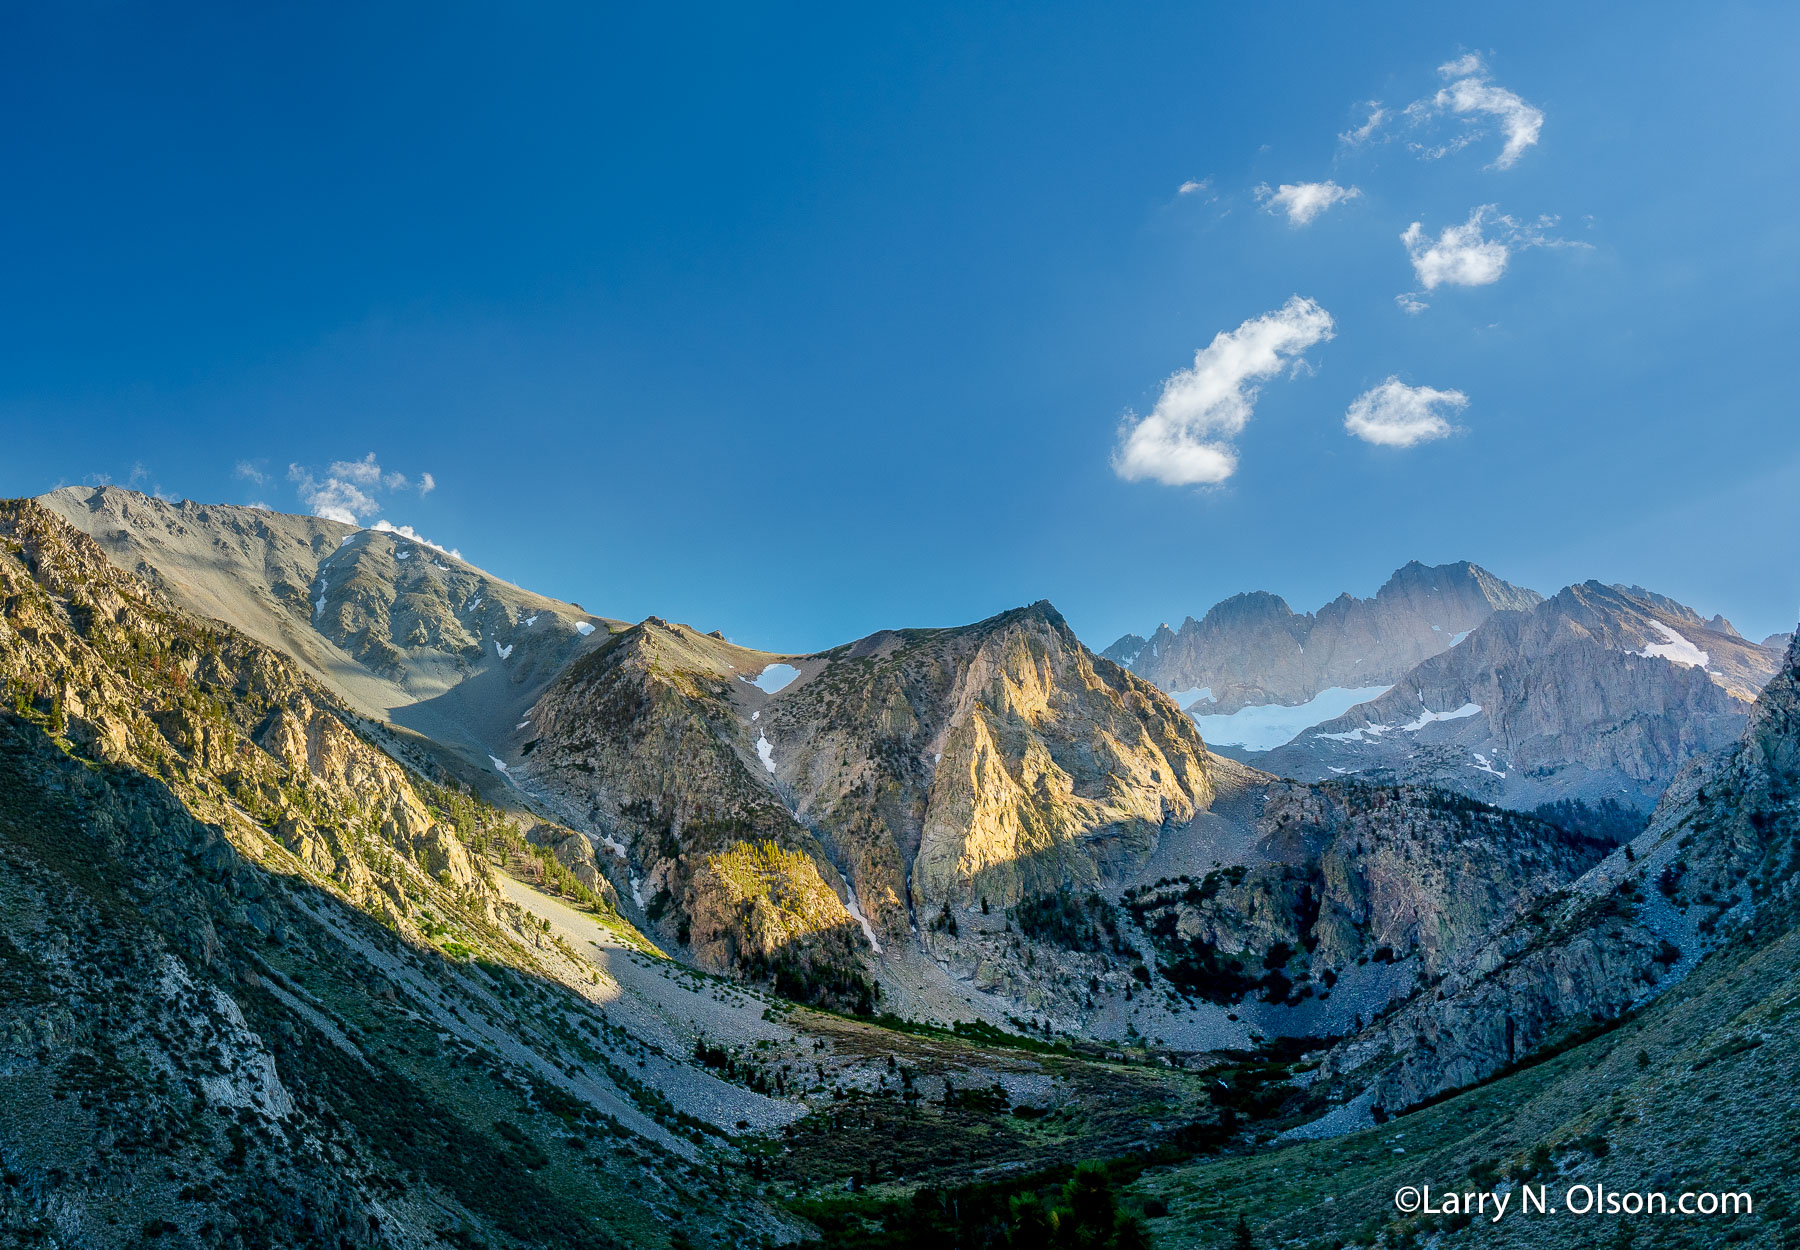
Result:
{"points": [[334, 498], [1360, 135], [251, 471], [1397, 415], [1472, 254], [364, 472], [1460, 256], [1303, 201], [1190, 187], [351, 489], [1470, 92], [1410, 303], [1184, 441], [412, 535], [1465, 110]]}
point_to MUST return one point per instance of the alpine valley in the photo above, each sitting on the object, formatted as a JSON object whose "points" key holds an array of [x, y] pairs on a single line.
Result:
{"points": [[354, 896]]}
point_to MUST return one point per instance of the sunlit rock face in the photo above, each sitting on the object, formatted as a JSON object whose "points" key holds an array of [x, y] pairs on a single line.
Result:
{"points": [[893, 778]]}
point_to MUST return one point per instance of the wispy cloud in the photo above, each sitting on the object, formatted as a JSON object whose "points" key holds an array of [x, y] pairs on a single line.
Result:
{"points": [[1192, 187], [1471, 94], [1475, 253], [251, 471], [351, 489], [141, 478], [1356, 136], [1397, 415], [1185, 439], [1471, 98], [1303, 201]]}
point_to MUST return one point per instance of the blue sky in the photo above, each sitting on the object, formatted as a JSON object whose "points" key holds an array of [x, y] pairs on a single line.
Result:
{"points": [[804, 322]]}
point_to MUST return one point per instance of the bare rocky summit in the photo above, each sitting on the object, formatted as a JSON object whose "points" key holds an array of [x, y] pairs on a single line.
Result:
{"points": [[401, 630]]}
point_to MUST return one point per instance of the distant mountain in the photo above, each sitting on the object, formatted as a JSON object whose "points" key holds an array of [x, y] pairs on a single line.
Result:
{"points": [[1602, 692], [401, 630], [1253, 650]]}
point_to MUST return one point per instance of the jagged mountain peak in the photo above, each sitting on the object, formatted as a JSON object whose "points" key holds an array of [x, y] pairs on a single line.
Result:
{"points": [[1252, 649], [1599, 692]]}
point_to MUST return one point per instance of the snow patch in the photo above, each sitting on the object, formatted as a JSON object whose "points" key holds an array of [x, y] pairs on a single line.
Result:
{"points": [[346, 540], [614, 845], [765, 751], [498, 762], [1368, 733], [403, 555], [1265, 727], [1481, 763], [530, 621], [1456, 638], [1427, 716], [412, 535], [1187, 698], [506, 651], [635, 896], [1675, 649], [583, 628], [473, 604], [774, 678], [868, 929]]}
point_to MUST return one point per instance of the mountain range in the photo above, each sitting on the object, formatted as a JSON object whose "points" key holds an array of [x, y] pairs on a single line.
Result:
{"points": [[357, 895]]}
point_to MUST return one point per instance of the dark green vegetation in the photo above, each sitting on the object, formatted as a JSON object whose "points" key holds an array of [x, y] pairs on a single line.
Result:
{"points": [[1084, 923], [1608, 821], [1077, 1208]]}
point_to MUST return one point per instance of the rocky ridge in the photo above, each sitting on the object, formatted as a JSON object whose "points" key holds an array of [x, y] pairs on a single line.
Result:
{"points": [[1599, 692], [399, 629], [1253, 649]]}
